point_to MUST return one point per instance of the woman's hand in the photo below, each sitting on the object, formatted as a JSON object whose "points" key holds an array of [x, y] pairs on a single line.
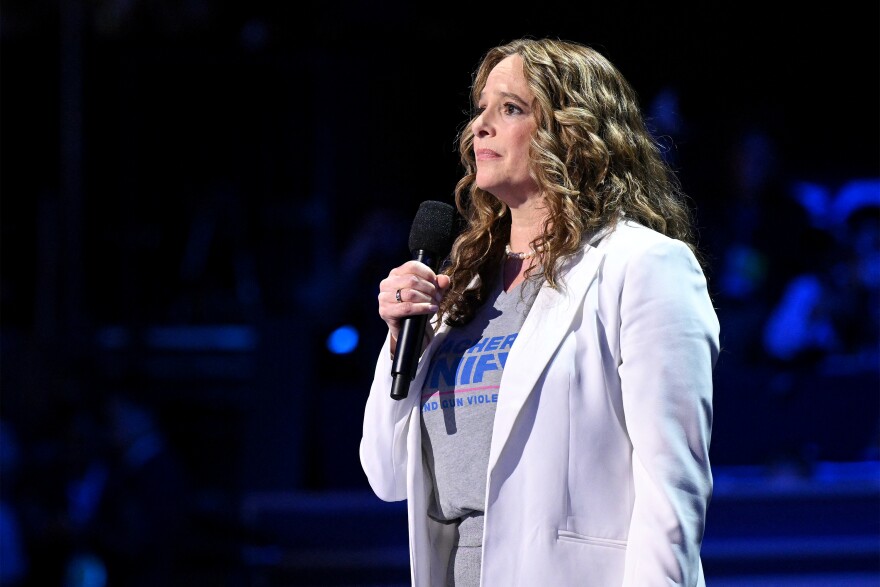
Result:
{"points": [[411, 289]]}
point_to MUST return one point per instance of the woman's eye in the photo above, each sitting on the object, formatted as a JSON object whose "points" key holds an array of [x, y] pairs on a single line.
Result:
{"points": [[508, 108]]}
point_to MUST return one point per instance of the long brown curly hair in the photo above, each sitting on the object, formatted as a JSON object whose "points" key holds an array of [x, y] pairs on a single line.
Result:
{"points": [[592, 156]]}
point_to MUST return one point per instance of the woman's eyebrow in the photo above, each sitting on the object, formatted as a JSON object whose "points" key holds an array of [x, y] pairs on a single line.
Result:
{"points": [[508, 95]]}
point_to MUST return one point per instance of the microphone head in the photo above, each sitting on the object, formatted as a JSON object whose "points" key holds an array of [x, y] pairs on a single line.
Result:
{"points": [[434, 228]]}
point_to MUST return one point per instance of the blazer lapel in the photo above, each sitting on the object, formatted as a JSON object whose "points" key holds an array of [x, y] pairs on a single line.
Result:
{"points": [[542, 332]]}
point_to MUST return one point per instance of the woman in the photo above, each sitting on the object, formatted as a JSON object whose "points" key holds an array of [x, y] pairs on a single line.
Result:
{"points": [[561, 436]]}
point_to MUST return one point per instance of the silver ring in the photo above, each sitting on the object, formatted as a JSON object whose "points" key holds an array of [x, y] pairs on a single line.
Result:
{"points": [[397, 297]]}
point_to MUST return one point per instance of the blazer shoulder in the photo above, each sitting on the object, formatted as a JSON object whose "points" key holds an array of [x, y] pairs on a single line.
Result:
{"points": [[629, 237], [632, 243]]}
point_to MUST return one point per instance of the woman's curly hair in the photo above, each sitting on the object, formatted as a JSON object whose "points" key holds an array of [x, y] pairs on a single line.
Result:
{"points": [[592, 156]]}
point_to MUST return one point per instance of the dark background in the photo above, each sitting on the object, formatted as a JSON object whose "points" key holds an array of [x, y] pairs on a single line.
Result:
{"points": [[196, 194]]}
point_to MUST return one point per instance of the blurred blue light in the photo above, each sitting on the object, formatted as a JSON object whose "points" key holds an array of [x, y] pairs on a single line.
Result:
{"points": [[85, 570], [343, 340], [216, 337]]}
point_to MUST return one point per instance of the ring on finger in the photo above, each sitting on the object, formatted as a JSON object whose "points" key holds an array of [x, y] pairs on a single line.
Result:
{"points": [[397, 296]]}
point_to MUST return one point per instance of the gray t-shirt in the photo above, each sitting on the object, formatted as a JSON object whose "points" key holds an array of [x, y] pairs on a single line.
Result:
{"points": [[458, 407]]}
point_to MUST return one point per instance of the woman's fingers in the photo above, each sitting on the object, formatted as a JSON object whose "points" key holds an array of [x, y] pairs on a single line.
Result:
{"points": [[416, 282], [410, 289], [415, 295]]}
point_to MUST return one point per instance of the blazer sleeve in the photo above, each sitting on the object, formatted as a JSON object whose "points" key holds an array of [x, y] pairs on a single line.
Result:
{"points": [[383, 448], [669, 341]]}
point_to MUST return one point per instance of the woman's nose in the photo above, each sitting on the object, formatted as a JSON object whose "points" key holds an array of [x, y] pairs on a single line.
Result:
{"points": [[482, 125]]}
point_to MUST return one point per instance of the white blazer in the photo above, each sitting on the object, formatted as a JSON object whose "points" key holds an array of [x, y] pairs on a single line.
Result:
{"points": [[598, 470]]}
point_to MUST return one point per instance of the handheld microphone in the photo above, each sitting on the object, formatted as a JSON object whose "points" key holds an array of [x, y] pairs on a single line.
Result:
{"points": [[430, 240]]}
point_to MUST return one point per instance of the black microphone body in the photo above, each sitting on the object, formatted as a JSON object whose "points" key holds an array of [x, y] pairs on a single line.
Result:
{"points": [[409, 343], [430, 240]]}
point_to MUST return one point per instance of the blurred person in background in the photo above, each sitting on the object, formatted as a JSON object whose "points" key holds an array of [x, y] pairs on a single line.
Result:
{"points": [[759, 237], [834, 309], [823, 334], [65, 477], [142, 524]]}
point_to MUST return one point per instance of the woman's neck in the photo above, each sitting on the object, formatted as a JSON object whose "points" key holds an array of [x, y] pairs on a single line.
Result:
{"points": [[526, 224]]}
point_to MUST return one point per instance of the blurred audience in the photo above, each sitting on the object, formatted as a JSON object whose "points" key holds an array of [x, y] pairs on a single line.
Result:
{"points": [[62, 485], [757, 237], [108, 501], [823, 337], [142, 521], [831, 311]]}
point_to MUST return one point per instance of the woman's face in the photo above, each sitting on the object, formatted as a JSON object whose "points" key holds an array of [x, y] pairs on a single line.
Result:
{"points": [[502, 132]]}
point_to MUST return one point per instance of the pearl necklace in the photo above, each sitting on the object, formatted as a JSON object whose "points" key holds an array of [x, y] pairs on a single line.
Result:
{"points": [[519, 256]]}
